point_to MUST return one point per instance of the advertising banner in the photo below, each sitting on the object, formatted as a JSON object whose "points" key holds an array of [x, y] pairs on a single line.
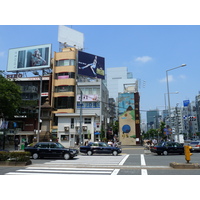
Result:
{"points": [[89, 97], [29, 58], [91, 65]]}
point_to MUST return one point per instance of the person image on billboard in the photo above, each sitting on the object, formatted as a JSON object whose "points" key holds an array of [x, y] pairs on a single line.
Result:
{"points": [[92, 66], [36, 59]]}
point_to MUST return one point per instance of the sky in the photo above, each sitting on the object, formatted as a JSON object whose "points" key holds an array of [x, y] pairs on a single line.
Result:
{"points": [[148, 51]]}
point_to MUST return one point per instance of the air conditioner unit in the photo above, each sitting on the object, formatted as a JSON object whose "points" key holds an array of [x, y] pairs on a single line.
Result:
{"points": [[66, 128], [85, 128]]}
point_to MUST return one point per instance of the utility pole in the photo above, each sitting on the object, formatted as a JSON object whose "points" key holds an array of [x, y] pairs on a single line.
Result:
{"points": [[81, 119]]}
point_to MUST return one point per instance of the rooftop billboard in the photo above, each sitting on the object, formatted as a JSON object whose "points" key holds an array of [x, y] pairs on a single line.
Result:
{"points": [[70, 36], [29, 58], [91, 65]]}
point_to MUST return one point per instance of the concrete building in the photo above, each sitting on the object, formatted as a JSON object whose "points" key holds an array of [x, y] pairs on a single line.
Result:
{"points": [[81, 102]]}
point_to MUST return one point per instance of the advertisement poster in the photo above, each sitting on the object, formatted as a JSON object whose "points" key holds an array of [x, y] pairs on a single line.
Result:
{"points": [[29, 58], [91, 65]]}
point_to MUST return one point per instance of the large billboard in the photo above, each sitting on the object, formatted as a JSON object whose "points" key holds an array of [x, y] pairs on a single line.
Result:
{"points": [[29, 58], [91, 65], [70, 36]]}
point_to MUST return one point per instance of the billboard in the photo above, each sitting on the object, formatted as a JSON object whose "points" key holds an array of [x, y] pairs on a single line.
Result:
{"points": [[29, 58], [70, 36], [91, 65]]}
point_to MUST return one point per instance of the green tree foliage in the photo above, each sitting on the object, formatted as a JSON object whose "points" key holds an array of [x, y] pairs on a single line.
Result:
{"points": [[10, 97]]}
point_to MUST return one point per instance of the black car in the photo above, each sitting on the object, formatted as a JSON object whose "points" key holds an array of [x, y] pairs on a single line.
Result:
{"points": [[99, 148], [167, 147], [51, 149]]}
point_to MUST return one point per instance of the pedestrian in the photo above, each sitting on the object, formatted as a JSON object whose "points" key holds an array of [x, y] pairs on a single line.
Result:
{"points": [[110, 143], [16, 143]]}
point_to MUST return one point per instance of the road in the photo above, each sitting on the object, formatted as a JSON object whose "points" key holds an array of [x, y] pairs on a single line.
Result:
{"points": [[133, 161]]}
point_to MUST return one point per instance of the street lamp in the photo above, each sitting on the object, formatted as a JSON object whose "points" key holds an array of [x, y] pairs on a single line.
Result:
{"points": [[165, 97], [39, 107], [169, 108]]}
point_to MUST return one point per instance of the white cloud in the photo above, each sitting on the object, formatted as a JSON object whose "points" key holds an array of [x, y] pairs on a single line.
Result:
{"points": [[170, 79], [143, 59]]}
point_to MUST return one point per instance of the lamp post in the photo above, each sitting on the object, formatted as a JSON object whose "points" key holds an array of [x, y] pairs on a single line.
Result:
{"points": [[169, 108], [165, 97], [39, 107]]}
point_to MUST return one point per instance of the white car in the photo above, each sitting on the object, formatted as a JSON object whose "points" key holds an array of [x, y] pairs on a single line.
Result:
{"points": [[195, 145]]}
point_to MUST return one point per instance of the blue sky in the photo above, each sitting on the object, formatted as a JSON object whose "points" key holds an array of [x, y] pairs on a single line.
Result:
{"points": [[147, 50]]}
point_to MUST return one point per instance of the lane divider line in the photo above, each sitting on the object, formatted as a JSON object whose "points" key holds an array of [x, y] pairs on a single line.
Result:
{"points": [[143, 163]]}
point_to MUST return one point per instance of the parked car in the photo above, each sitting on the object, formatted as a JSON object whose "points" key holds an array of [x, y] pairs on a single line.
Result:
{"points": [[195, 145], [51, 149], [167, 147], [99, 148]]}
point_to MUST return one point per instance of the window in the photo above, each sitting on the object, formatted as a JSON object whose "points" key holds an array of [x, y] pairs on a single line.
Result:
{"points": [[53, 146], [65, 62], [42, 145], [65, 75], [72, 122], [65, 138], [65, 88], [64, 102], [87, 120]]}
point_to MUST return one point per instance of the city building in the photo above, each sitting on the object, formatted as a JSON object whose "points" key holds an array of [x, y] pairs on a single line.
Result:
{"points": [[129, 116]]}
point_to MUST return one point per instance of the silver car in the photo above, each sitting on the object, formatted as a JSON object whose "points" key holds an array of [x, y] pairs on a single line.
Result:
{"points": [[195, 145]]}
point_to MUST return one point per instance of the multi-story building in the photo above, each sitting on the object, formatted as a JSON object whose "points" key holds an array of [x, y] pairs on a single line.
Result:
{"points": [[152, 119], [81, 102], [24, 126]]}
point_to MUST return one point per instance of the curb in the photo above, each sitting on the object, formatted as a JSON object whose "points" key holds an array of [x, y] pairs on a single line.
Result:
{"points": [[184, 165]]}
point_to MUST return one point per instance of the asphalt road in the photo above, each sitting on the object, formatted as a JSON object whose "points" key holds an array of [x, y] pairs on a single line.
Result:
{"points": [[133, 161]]}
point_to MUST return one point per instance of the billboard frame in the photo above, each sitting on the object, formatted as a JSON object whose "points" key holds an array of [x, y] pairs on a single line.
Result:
{"points": [[29, 58], [91, 65]]}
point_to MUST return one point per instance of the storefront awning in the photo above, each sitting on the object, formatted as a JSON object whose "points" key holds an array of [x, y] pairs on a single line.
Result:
{"points": [[97, 133]]}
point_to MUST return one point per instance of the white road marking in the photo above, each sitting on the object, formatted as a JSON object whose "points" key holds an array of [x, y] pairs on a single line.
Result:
{"points": [[144, 172], [142, 160], [143, 163], [115, 172], [124, 159]]}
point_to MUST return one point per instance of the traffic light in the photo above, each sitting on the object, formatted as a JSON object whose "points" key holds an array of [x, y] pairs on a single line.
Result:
{"points": [[187, 153]]}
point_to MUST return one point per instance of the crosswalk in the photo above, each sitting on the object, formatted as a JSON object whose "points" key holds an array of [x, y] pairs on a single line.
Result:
{"points": [[63, 171]]}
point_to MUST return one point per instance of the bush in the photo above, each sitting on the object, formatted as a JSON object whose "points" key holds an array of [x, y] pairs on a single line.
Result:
{"points": [[4, 155], [20, 156]]}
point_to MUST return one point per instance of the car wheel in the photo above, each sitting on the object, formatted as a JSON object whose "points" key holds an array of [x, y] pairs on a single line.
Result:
{"points": [[66, 156], [35, 156], [89, 153], [165, 153], [115, 153]]}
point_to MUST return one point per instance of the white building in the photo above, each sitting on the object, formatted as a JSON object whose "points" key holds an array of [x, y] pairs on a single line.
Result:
{"points": [[94, 114]]}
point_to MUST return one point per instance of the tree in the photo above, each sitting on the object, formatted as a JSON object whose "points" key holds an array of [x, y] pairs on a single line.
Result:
{"points": [[10, 98]]}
